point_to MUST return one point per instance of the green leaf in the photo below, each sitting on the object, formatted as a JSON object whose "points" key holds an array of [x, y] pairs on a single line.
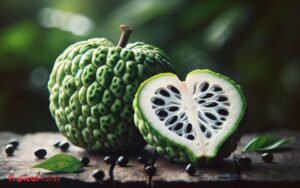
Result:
{"points": [[61, 163], [266, 143]]}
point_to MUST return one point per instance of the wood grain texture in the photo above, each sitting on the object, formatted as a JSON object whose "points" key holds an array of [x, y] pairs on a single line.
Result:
{"points": [[285, 169]]}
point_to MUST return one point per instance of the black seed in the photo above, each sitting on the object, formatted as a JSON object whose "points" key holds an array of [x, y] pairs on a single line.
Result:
{"points": [[150, 170], [245, 161], [207, 95], [222, 98], [110, 160], [98, 174], [201, 101], [190, 137], [216, 88], [122, 161], [158, 101], [188, 128], [211, 104], [56, 144], [223, 119], [208, 134], [143, 159], [85, 161], [40, 153], [14, 142], [173, 108], [203, 128], [64, 145], [267, 157], [162, 113], [223, 112], [218, 123], [210, 116], [204, 86], [172, 120], [190, 169], [174, 89], [164, 93], [9, 149], [178, 126]]}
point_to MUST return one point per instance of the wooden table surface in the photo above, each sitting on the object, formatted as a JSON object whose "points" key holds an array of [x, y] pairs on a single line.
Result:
{"points": [[285, 170]]}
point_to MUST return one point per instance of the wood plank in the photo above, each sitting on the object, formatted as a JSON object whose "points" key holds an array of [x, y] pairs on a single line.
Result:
{"points": [[286, 166], [285, 169], [171, 174], [20, 164]]}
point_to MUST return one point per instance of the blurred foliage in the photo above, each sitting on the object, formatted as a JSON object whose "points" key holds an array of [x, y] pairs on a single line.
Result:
{"points": [[257, 43]]}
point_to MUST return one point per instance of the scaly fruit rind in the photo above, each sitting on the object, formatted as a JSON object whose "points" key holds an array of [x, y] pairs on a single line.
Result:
{"points": [[92, 87]]}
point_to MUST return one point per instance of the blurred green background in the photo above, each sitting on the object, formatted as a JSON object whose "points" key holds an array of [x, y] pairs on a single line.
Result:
{"points": [[256, 43]]}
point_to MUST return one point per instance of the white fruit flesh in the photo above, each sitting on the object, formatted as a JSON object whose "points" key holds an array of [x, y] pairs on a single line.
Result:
{"points": [[199, 115]]}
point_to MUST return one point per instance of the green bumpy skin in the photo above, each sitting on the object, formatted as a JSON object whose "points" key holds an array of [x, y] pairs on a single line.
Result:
{"points": [[175, 152], [92, 87]]}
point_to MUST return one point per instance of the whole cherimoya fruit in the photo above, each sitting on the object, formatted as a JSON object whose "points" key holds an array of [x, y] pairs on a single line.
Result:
{"points": [[92, 86], [196, 120]]}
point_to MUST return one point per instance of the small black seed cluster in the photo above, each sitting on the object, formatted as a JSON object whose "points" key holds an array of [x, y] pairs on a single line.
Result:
{"points": [[110, 160], [122, 160], [267, 157], [85, 160], [245, 161], [9, 149], [11, 146], [190, 169], [143, 159], [150, 170], [15, 142], [40, 153], [64, 145], [98, 174]]}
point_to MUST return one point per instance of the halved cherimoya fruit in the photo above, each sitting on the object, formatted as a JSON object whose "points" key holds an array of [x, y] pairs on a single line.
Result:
{"points": [[196, 120]]}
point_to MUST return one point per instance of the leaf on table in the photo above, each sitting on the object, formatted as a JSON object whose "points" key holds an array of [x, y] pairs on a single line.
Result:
{"points": [[61, 163], [266, 143]]}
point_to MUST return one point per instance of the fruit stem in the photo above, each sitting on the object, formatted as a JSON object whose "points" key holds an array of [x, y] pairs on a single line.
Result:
{"points": [[126, 31]]}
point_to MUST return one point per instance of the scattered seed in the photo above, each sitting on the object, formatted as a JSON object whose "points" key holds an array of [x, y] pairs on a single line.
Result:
{"points": [[143, 159], [245, 161], [85, 161], [98, 174], [9, 149], [267, 157], [150, 170], [64, 145], [122, 161], [56, 144], [110, 160], [190, 169], [14, 142], [40, 153]]}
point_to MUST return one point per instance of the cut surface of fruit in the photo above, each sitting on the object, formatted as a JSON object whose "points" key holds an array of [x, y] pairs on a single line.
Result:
{"points": [[188, 120]]}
